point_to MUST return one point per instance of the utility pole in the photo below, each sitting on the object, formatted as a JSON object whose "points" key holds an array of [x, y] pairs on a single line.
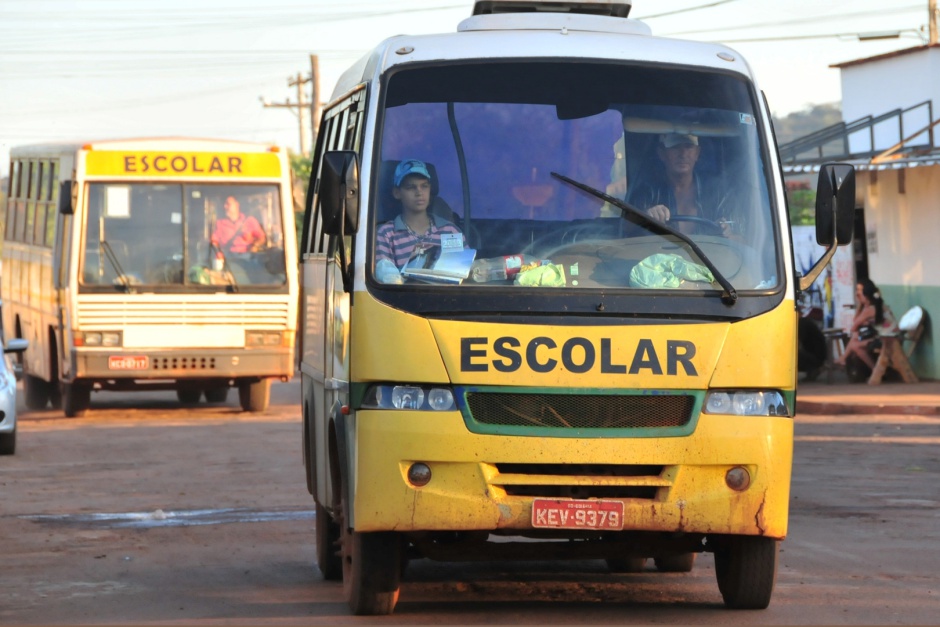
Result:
{"points": [[932, 9], [315, 97], [298, 108]]}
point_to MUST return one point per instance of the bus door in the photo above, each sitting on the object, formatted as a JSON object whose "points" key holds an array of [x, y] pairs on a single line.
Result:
{"points": [[326, 308]]}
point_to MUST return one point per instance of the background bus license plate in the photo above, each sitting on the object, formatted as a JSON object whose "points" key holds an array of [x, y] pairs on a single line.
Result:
{"points": [[128, 362], [575, 514]]}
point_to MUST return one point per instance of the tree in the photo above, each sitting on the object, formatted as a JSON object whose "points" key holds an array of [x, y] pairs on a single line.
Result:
{"points": [[301, 167], [801, 197]]}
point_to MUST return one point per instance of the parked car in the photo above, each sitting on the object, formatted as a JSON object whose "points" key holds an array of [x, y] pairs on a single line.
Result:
{"points": [[9, 374]]}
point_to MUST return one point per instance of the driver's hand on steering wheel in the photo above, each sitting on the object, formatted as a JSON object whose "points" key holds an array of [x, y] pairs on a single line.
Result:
{"points": [[659, 212]]}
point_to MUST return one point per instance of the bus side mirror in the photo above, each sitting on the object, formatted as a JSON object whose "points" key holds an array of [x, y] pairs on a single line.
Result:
{"points": [[835, 205], [66, 202], [339, 192], [835, 215]]}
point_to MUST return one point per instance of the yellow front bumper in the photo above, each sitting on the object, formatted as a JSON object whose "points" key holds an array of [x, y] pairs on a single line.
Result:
{"points": [[468, 491]]}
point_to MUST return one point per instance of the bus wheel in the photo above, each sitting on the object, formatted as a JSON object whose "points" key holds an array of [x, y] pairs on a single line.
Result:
{"points": [[626, 564], [681, 563], [188, 397], [216, 395], [328, 540], [35, 392], [371, 571], [746, 568], [254, 395], [76, 399]]}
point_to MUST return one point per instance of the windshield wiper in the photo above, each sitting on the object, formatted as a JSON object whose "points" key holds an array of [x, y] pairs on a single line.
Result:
{"points": [[730, 295], [109, 253]]}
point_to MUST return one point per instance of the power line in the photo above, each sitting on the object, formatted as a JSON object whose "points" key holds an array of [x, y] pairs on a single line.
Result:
{"points": [[805, 20], [686, 10]]}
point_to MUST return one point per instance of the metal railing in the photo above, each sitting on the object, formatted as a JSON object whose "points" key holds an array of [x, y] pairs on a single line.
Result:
{"points": [[836, 138]]}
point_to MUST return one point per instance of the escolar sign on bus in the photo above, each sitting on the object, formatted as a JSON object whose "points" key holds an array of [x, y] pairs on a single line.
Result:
{"points": [[166, 164]]}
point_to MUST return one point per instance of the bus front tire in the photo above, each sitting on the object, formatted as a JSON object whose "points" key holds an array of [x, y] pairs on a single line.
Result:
{"points": [[254, 396], [76, 399], [216, 395], [371, 571], [328, 559], [746, 568], [188, 397], [35, 392]]}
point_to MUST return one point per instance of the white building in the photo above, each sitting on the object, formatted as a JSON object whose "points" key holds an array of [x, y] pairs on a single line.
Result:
{"points": [[888, 103]]}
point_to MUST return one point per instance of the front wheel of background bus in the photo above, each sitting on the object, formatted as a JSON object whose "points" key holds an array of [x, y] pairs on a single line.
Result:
{"points": [[328, 559], [371, 571], [35, 392], [188, 397], [681, 563], [746, 568], [216, 395], [76, 399], [254, 395]]}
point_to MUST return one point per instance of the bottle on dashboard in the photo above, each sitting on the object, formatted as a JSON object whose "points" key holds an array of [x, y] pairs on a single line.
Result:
{"points": [[501, 268]]}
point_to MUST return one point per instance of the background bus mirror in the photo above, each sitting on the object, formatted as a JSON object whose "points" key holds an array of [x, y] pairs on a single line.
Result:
{"points": [[66, 202], [339, 192], [835, 197]]}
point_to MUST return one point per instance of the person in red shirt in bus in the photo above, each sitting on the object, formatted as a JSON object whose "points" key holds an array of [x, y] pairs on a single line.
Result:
{"points": [[237, 233]]}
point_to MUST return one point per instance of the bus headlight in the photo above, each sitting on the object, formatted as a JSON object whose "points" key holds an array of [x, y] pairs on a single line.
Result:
{"points": [[415, 397], [746, 403], [106, 339], [255, 339]]}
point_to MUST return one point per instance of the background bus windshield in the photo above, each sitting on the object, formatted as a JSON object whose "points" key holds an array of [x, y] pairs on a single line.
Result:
{"points": [[173, 235]]}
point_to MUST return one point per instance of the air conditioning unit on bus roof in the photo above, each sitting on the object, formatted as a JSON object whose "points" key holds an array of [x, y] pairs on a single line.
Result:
{"points": [[612, 8]]}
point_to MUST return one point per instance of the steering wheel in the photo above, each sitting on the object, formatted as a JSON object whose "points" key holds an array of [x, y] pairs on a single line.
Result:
{"points": [[709, 227]]}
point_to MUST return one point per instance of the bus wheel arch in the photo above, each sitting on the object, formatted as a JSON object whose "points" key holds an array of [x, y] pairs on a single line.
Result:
{"points": [[328, 523], [55, 389]]}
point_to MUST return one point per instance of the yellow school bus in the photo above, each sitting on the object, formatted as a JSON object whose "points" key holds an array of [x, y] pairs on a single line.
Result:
{"points": [[126, 268], [508, 350]]}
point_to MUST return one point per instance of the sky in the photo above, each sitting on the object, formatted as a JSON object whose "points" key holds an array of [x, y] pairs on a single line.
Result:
{"points": [[77, 70]]}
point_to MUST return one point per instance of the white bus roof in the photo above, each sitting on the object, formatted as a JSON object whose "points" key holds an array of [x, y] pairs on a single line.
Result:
{"points": [[540, 34]]}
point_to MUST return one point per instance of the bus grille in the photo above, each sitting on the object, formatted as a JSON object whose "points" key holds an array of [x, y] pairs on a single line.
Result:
{"points": [[600, 481], [581, 411], [184, 363]]}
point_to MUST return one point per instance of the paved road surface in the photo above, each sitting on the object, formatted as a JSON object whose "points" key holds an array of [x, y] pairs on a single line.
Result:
{"points": [[146, 512]]}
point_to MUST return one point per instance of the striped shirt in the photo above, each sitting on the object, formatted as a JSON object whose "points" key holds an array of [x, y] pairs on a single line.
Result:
{"points": [[396, 242]]}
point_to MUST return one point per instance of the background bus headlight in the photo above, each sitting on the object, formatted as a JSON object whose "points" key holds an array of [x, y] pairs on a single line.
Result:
{"points": [[105, 339], [746, 403], [416, 397], [255, 339]]}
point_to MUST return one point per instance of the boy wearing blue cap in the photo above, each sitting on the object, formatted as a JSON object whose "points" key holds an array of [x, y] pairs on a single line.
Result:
{"points": [[416, 230]]}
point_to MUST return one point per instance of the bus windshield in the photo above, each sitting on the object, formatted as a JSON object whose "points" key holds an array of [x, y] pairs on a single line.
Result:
{"points": [[173, 236], [470, 158]]}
